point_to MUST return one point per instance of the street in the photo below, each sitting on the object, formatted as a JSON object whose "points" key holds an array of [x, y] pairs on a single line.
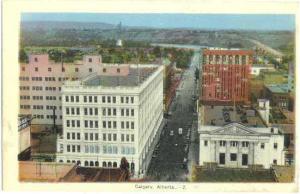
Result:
{"points": [[175, 152]]}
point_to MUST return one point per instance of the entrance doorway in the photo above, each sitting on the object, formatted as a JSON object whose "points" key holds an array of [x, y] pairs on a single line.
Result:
{"points": [[245, 159], [222, 158]]}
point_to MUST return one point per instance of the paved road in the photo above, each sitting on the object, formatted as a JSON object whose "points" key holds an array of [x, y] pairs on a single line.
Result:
{"points": [[170, 161]]}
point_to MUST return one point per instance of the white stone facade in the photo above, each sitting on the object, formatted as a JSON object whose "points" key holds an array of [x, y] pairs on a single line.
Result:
{"points": [[237, 146], [102, 124]]}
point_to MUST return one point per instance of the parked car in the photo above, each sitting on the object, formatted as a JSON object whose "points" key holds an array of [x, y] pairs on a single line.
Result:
{"points": [[180, 131]]}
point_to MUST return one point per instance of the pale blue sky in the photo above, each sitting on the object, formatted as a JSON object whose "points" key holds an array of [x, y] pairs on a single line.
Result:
{"points": [[200, 21]]}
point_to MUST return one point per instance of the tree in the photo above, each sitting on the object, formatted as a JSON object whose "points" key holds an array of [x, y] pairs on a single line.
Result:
{"points": [[23, 58], [124, 166]]}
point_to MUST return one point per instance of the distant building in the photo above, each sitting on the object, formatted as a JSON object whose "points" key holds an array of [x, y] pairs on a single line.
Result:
{"points": [[279, 95], [41, 81], [237, 146], [264, 109], [119, 43], [225, 75], [256, 69], [107, 117]]}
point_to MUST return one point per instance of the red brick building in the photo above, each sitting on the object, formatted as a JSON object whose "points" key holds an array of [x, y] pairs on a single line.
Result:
{"points": [[225, 76]]}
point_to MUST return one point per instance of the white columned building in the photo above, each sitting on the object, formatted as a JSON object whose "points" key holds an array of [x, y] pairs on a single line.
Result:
{"points": [[107, 117], [237, 146]]}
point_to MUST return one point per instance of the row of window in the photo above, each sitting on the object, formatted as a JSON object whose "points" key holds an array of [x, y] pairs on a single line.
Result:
{"points": [[244, 144], [39, 107], [105, 99], [24, 78], [24, 88], [92, 163], [105, 137], [37, 88], [50, 97], [24, 97]]}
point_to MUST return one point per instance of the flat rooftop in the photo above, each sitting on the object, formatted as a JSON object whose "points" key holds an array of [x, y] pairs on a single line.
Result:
{"points": [[135, 77], [278, 88], [215, 115]]}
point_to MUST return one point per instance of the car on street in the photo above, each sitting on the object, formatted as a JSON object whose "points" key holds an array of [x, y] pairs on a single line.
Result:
{"points": [[180, 131], [171, 132]]}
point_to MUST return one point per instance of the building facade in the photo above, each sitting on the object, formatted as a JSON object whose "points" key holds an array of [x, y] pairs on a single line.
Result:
{"points": [[237, 146], [41, 81], [106, 118], [225, 75]]}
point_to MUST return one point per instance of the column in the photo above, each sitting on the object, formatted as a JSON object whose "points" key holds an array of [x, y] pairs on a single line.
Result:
{"points": [[227, 153]]}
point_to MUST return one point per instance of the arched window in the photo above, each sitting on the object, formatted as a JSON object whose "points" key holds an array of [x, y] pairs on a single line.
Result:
{"points": [[96, 163], [218, 59], [104, 164], [86, 163], [115, 165], [230, 59], [91, 163], [132, 166], [78, 162], [68, 161], [109, 164], [73, 161], [223, 59], [61, 161], [237, 59], [243, 60]]}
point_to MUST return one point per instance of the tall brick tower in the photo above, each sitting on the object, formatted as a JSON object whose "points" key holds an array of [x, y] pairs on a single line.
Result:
{"points": [[225, 76]]}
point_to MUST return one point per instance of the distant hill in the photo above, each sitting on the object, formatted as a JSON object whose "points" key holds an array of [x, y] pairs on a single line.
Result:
{"points": [[87, 34], [51, 25]]}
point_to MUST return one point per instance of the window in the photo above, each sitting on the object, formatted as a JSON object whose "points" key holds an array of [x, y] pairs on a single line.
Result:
{"points": [[114, 124], [73, 136], [108, 99], [275, 162], [90, 99], [115, 137], [36, 69], [245, 144], [96, 111], [127, 112], [90, 60], [96, 124], [233, 143], [122, 137], [95, 99], [275, 145], [49, 69], [78, 136], [132, 99], [73, 148], [132, 125], [122, 99], [67, 111], [78, 148], [104, 112], [67, 98], [109, 112], [76, 69], [127, 124], [122, 124], [86, 136], [127, 137], [118, 70], [63, 70], [103, 99], [132, 112], [77, 98], [84, 99], [232, 157], [103, 124], [114, 99], [23, 68], [85, 111], [90, 70], [91, 136], [104, 70], [77, 111], [205, 142], [68, 148], [122, 112], [222, 143], [127, 100], [109, 137], [132, 138], [262, 145], [86, 124], [68, 123], [104, 137], [68, 135], [91, 111], [272, 130], [96, 136], [109, 124]]}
